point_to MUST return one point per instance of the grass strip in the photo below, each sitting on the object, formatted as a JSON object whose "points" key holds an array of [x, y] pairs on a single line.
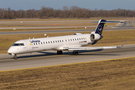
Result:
{"points": [[102, 75]]}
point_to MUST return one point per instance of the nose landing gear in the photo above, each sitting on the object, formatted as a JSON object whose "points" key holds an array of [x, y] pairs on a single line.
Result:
{"points": [[15, 56]]}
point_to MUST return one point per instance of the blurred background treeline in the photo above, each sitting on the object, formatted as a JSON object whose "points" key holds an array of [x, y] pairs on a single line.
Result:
{"points": [[65, 12]]}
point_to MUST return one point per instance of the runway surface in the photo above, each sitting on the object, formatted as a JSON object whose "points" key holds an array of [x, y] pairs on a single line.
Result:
{"points": [[60, 31], [50, 58]]}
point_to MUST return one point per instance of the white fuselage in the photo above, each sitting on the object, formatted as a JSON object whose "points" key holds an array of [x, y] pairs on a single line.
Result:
{"points": [[49, 43], [61, 43]]}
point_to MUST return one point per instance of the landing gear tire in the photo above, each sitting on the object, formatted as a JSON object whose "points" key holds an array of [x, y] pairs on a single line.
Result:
{"points": [[59, 52], [75, 52], [15, 57]]}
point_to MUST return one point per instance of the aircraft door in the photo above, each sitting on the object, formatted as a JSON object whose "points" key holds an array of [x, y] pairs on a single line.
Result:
{"points": [[22, 47], [28, 46]]}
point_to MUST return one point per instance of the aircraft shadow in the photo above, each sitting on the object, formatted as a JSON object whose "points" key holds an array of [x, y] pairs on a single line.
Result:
{"points": [[38, 55], [81, 52]]}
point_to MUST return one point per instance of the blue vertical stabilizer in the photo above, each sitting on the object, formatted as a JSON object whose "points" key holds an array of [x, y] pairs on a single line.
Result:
{"points": [[100, 26]]}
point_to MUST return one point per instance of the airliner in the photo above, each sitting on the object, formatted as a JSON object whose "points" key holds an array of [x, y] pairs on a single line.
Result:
{"points": [[61, 43]]}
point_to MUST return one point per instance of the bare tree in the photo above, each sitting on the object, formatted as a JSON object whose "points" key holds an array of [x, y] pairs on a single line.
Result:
{"points": [[66, 12]]}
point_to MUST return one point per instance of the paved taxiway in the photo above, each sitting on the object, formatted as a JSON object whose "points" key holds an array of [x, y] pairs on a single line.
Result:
{"points": [[60, 31], [50, 58]]}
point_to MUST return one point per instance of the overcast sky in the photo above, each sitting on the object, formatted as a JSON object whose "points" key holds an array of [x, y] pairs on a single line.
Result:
{"points": [[58, 4]]}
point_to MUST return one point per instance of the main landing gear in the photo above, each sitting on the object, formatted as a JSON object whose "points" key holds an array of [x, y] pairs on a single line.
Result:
{"points": [[75, 52], [59, 52]]}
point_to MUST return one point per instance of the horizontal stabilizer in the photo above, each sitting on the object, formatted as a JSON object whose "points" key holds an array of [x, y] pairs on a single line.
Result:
{"points": [[108, 22], [101, 24]]}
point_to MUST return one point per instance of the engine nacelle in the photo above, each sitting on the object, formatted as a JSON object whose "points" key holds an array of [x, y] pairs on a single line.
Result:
{"points": [[95, 37]]}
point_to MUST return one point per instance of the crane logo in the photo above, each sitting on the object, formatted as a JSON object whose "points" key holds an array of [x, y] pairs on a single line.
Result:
{"points": [[100, 28]]}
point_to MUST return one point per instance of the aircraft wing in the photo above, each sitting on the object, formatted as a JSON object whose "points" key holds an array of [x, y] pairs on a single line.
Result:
{"points": [[94, 48], [90, 48]]}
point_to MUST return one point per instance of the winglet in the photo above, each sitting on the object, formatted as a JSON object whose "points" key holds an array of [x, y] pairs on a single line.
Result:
{"points": [[122, 44]]}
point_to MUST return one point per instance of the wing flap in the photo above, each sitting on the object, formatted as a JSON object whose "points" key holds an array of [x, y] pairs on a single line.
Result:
{"points": [[89, 48]]}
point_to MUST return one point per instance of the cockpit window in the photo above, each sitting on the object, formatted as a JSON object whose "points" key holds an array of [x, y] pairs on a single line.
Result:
{"points": [[18, 44]]}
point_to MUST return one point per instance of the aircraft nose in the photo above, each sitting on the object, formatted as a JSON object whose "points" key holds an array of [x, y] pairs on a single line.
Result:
{"points": [[10, 51]]}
